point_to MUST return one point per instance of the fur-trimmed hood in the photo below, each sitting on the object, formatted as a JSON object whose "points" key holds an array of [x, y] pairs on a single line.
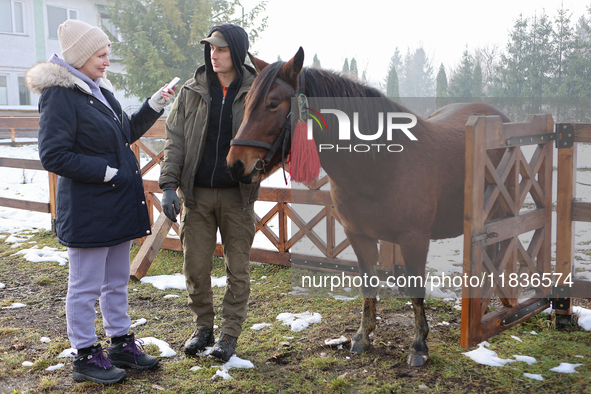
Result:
{"points": [[45, 75]]}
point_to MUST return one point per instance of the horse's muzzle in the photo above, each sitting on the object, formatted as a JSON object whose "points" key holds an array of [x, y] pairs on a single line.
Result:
{"points": [[237, 172]]}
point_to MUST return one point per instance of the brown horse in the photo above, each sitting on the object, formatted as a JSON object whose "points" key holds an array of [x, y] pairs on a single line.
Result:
{"points": [[407, 198]]}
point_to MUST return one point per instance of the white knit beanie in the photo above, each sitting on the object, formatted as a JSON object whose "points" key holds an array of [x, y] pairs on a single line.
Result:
{"points": [[79, 41]]}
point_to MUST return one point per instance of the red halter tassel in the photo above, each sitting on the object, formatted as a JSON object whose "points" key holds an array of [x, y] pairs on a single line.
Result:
{"points": [[305, 163]]}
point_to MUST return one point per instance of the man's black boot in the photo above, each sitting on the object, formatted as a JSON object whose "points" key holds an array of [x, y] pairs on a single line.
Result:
{"points": [[92, 363], [126, 351], [200, 338], [225, 347]]}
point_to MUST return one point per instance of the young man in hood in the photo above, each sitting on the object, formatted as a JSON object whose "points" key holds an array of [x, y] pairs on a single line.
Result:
{"points": [[204, 118]]}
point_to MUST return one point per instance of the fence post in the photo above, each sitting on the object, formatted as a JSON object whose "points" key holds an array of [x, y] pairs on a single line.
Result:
{"points": [[150, 247], [476, 134], [52, 198], [565, 249]]}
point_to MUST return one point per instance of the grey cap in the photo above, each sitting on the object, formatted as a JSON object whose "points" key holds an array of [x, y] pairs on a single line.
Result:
{"points": [[216, 38]]}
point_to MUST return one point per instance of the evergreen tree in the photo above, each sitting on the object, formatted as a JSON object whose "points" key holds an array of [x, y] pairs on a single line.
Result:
{"points": [[441, 87], [537, 58], [510, 77], [544, 58], [396, 60], [416, 77], [346, 69], [160, 38], [564, 47], [461, 82], [477, 81], [577, 70], [392, 88], [353, 72], [391, 80], [316, 62], [526, 69]]}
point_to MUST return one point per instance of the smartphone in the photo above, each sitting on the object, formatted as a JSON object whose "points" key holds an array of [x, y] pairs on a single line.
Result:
{"points": [[173, 83]]}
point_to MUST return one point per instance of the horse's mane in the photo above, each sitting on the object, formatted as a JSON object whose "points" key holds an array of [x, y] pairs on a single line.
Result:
{"points": [[320, 83], [325, 83]]}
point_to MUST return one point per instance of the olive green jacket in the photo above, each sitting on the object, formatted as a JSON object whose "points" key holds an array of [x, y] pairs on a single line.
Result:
{"points": [[186, 128]]}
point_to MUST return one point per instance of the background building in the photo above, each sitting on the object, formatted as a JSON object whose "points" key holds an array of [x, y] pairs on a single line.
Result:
{"points": [[28, 34]]}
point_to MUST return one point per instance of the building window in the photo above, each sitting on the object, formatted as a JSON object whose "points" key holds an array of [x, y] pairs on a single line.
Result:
{"points": [[56, 16], [107, 23], [24, 96], [3, 90], [12, 17]]}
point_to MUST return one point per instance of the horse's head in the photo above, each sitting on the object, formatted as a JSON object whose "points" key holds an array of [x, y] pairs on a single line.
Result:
{"points": [[257, 146]]}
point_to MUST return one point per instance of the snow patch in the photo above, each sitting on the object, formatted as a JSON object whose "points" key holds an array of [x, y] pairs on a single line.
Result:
{"points": [[487, 357], [299, 321]]}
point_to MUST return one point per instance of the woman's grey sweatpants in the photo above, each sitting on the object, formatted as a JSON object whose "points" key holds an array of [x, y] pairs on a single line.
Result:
{"points": [[100, 273]]}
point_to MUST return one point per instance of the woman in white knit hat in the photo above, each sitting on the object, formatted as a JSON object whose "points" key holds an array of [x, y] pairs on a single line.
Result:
{"points": [[85, 138]]}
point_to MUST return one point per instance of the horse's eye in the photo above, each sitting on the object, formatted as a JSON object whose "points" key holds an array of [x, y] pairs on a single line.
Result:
{"points": [[272, 105]]}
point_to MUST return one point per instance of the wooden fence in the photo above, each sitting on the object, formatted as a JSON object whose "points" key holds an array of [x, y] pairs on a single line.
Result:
{"points": [[36, 206], [492, 248], [26, 124], [18, 124], [507, 184], [389, 258]]}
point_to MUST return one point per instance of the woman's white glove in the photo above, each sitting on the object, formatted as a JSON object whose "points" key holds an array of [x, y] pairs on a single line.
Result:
{"points": [[110, 174], [161, 98]]}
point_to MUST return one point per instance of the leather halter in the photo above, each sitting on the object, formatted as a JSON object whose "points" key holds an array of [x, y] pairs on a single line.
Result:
{"points": [[285, 130]]}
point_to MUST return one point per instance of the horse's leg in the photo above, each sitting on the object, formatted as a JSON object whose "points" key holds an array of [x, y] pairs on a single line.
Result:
{"points": [[414, 253], [366, 250]]}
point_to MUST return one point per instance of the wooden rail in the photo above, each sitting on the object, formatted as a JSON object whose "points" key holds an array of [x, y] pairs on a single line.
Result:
{"points": [[18, 124], [28, 164]]}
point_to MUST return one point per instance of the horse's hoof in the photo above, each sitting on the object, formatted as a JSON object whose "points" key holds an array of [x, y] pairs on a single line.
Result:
{"points": [[417, 360], [358, 348]]}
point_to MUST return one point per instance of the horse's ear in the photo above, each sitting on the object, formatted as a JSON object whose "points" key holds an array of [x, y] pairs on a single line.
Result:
{"points": [[292, 68], [258, 64]]}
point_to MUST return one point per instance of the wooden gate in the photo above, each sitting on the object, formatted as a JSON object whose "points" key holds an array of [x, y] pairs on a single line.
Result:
{"points": [[498, 260]]}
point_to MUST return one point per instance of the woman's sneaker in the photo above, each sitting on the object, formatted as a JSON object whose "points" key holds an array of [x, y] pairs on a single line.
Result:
{"points": [[126, 351], [92, 363]]}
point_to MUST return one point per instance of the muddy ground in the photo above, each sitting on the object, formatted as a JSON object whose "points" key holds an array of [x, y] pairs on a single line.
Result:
{"points": [[45, 316]]}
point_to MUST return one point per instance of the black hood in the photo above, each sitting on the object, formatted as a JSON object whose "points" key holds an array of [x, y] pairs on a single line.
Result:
{"points": [[237, 40]]}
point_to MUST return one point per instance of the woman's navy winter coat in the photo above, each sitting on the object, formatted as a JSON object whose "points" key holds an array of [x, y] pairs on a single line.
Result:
{"points": [[78, 137]]}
